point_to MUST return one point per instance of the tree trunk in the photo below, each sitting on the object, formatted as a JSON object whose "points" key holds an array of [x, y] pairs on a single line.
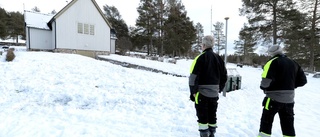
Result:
{"points": [[17, 40], [313, 36], [274, 25]]}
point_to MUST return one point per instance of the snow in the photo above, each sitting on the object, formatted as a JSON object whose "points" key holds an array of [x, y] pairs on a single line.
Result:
{"points": [[37, 20], [179, 68], [12, 40], [63, 95]]}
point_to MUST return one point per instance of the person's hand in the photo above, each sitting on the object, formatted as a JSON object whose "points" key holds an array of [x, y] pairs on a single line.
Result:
{"points": [[192, 98], [221, 87]]}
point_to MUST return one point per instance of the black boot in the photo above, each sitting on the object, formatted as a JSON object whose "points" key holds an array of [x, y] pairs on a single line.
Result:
{"points": [[204, 133], [212, 131]]}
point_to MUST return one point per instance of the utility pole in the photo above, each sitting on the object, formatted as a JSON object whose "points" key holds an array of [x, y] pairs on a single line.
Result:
{"points": [[211, 22], [226, 55]]}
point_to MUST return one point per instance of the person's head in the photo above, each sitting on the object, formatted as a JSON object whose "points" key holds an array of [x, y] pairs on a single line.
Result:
{"points": [[275, 50], [207, 42]]}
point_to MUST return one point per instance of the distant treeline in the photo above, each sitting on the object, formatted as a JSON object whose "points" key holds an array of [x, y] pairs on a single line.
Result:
{"points": [[11, 25]]}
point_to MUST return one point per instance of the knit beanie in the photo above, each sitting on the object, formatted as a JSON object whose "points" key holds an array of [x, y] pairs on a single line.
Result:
{"points": [[275, 50]]}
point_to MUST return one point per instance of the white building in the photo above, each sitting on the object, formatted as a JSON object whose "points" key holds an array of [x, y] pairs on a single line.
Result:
{"points": [[80, 27]]}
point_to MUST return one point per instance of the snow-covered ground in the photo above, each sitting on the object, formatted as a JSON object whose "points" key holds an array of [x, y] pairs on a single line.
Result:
{"points": [[13, 40], [63, 95]]}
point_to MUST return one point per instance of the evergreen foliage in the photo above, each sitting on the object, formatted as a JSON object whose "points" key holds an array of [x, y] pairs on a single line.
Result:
{"points": [[35, 9], [16, 25], [163, 28], [246, 45], [146, 23], [123, 42], [199, 36], [124, 45], [11, 25], [219, 37], [3, 23], [180, 32], [288, 23]]}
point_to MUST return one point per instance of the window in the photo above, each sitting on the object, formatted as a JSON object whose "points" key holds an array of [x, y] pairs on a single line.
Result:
{"points": [[86, 28], [91, 29], [80, 28]]}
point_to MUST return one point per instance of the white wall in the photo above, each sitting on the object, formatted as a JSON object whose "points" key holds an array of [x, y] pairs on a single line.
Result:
{"points": [[27, 37], [113, 46], [53, 37], [82, 11], [40, 39]]}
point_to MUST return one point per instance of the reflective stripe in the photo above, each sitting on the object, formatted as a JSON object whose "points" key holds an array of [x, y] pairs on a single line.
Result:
{"points": [[194, 62], [261, 134], [267, 104], [203, 126], [212, 125], [196, 97], [266, 68]]}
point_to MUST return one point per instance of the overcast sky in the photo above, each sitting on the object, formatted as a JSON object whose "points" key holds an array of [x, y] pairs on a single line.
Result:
{"points": [[198, 11]]}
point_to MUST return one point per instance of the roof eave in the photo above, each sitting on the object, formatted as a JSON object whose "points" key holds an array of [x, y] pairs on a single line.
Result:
{"points": [[61, 12], [101, 13], [69, 5]]}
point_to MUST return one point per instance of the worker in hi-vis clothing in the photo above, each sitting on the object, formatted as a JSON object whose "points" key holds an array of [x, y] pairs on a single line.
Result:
{"points": [[280, 77], [208, 76]]}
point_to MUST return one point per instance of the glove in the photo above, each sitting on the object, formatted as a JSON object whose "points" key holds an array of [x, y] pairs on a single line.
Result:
{"points": [[191, 93], [192, 98], [221, 87]]}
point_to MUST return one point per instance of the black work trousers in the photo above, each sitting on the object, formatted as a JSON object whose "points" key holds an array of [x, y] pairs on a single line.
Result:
{"points": [[286, 115], [206, 109]]}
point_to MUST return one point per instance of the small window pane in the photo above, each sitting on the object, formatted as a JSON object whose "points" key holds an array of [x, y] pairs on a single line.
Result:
{"points": [[91, 29], [80, 28], [86, 29]]}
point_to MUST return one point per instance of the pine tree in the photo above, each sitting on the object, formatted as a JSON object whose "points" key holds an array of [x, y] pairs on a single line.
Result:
{"points": [[146, 23], [296, 35], [265, 16], [113, 16], [160, 13], [35, 9], [313, 7], [219, 37], [199, 33], [124, 44], [246, 45], [137, 38], [16, 25], [53, 12], [3, 23], [180, 32]]}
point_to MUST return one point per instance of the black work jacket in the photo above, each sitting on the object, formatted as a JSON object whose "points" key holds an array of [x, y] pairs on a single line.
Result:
{"points": [[207, 69], [282, 73]]}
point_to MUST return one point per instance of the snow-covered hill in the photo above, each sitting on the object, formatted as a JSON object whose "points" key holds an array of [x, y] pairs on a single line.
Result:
{"points": [[62, 95]]}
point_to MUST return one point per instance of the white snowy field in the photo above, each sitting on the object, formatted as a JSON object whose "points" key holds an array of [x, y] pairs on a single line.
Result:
{"points": [[66, 95]]}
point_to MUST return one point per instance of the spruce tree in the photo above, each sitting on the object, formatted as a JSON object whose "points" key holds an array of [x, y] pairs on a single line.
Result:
{"points": [[146, 23], [265, 16], [35, 9], [180, 32], [3, 23], [16, 25], [118, 24], [313, 7], [199, 34], [113, 16], [246, 45]]}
